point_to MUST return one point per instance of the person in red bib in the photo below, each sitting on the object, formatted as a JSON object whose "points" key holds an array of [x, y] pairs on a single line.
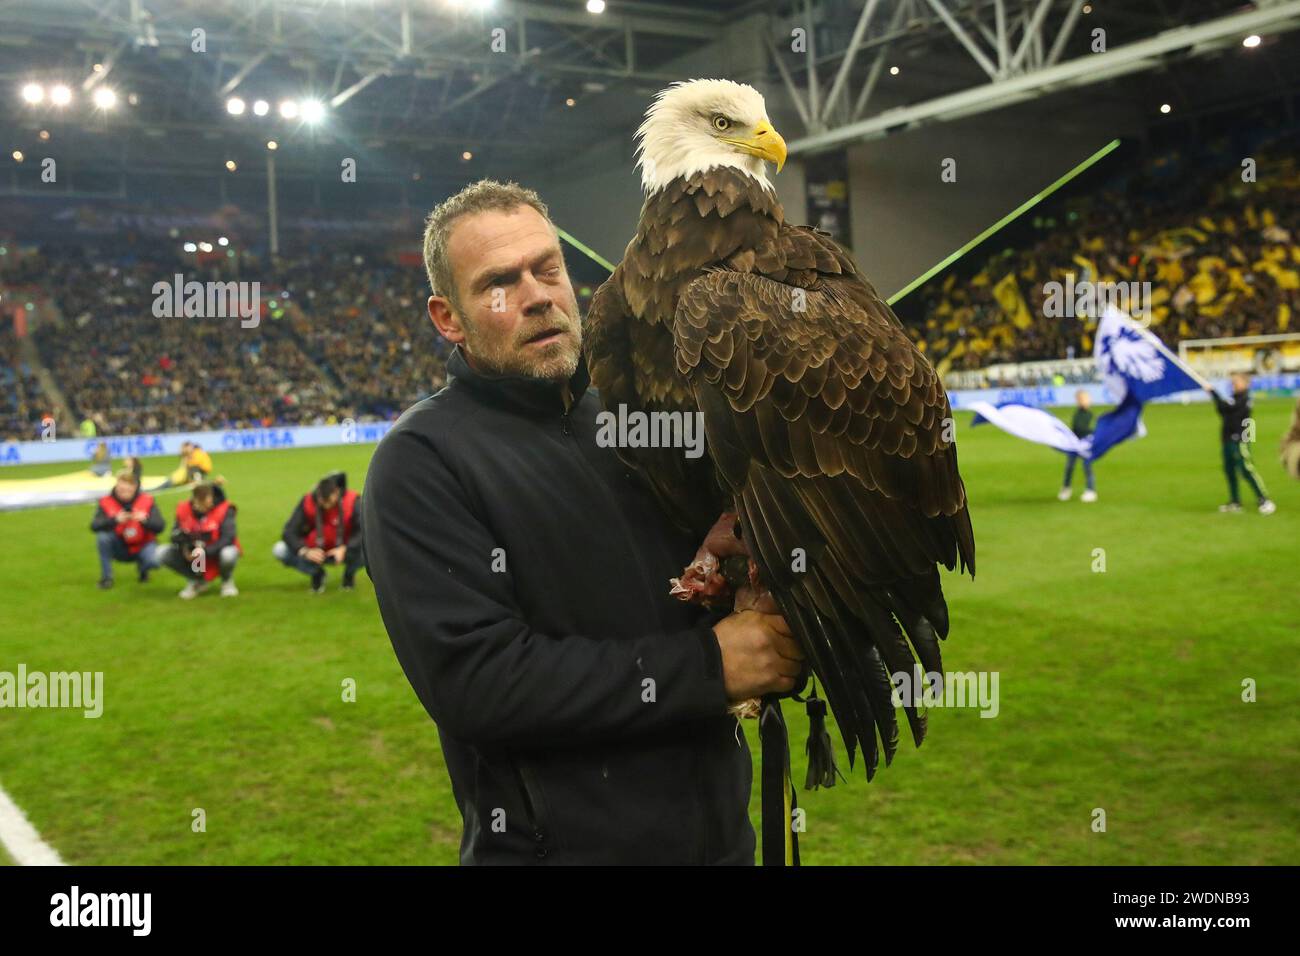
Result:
{"points": [[126, 525], [205, 542], [324, 529]]}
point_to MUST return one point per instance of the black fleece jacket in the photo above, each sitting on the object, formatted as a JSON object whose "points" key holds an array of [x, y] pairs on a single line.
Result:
{"points": [[522, 574]]}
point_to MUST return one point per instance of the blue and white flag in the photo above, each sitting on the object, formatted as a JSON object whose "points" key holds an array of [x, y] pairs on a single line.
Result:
{"points": [[1136, 367], [1132, 361], [1029, 423], [1041, 426]]}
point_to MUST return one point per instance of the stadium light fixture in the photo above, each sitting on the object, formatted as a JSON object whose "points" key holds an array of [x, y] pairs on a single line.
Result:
{"points": [[205, 247], [313, 111], [272, 145], [289, 109], [235, 106], [595, 6], [105, 98], [190, 247], [466, 156], [18, 155], [60, 95], [570, 102], [231, 165], [261, 107], [223, 241], [1251, 41], [45, 134], [33, 93], [1166, 108], [894, 71]]}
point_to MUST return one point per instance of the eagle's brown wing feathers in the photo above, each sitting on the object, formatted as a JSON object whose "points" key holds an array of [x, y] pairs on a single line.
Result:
{"points": [[833, 434], [627, 359]]}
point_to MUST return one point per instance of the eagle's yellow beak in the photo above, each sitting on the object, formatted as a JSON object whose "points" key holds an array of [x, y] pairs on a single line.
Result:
{"points": [[764, 142]]}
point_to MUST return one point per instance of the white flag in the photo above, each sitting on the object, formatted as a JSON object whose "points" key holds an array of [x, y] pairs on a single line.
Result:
{"points": [[1031, 424]]}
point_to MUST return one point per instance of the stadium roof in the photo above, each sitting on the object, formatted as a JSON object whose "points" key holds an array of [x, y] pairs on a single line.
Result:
{"points": [[417, 84]]}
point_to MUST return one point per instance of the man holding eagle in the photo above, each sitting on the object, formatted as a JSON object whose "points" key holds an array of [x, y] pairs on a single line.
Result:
{"points": [[583, 711]]}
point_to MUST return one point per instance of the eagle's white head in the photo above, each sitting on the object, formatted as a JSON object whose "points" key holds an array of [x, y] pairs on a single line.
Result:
{"points": [[699, 124]]}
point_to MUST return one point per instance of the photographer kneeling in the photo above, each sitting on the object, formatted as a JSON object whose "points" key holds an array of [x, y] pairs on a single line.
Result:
{"points": [[204, 542], [324, 529], [125, 524]]}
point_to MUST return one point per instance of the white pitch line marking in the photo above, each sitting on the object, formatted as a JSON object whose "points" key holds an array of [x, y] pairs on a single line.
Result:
{"points": [[20, 838]]}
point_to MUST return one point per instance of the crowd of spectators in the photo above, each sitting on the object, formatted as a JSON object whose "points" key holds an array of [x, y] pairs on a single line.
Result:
{"points": [[338, 337], [364, 322], [1219, 247], [22, 405], [129, 370]]}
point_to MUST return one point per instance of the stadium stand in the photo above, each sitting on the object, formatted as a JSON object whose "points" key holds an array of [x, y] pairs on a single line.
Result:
{"points": [[21, 400], [343, 334], [1222, 257], [330, 344], [365, 325]]}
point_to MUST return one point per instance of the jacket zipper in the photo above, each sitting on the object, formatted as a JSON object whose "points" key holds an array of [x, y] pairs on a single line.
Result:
{"points": [[533, 806], [698, 771]]}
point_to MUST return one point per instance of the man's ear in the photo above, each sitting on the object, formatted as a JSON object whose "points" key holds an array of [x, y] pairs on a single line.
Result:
{"points": [[445, 319]]}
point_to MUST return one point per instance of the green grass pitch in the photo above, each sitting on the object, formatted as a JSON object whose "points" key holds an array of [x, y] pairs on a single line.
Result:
{"points": [[1119, 690]]}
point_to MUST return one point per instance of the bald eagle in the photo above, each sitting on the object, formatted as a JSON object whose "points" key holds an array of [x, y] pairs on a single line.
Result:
{"points": [[830, 457]]}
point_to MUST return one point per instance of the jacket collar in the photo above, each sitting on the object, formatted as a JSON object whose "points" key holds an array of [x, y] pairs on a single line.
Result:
{"points": [[519, 391]]}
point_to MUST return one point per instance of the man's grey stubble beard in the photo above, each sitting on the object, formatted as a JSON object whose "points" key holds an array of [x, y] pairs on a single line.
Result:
{"points": [[556, 363]]}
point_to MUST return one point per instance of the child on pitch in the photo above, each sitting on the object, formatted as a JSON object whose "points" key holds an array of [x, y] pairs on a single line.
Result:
{"points": [[101, 463], [1081, 425], [1236, 445]]}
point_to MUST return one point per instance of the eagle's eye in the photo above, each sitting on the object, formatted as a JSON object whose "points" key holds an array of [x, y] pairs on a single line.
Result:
{"points": [[721, 123]]}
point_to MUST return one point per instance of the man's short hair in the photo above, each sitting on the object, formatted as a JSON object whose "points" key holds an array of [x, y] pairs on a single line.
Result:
{"points": [[326, 487], [483, 196], [204, 489]]}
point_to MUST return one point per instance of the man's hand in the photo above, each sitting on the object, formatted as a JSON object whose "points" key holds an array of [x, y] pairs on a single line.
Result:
{"points": [[759, 655], [122, 517], [338, 553], [314, 555], [139, 516]]}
